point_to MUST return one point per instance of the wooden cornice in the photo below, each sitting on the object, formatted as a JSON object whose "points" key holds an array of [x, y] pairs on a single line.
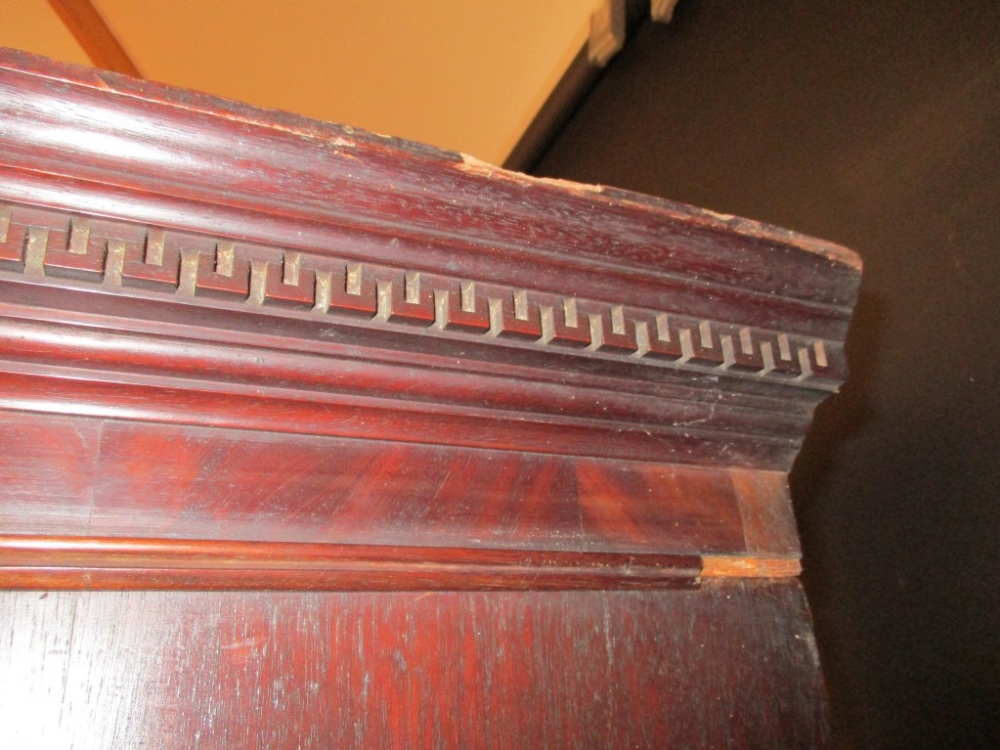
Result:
{"points": [[172, 261]]}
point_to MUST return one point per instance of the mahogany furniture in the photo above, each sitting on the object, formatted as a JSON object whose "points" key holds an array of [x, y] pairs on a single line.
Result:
{"points": [[316, 438]]}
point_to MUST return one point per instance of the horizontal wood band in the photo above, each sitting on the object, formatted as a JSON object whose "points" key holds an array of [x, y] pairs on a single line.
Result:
{"points": [[504, 410], [80, 477], [416, 309], [202, 403], [426, 380], [37, 562], [158, 319]]}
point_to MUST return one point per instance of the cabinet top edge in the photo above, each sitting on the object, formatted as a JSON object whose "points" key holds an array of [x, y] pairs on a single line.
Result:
{"points": [[652, 223]]}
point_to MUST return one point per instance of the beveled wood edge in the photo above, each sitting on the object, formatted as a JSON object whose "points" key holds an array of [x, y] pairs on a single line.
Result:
{"points": [[109, 563]]}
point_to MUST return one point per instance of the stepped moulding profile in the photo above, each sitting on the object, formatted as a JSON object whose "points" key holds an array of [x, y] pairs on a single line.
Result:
{"points": [[622, 381]]}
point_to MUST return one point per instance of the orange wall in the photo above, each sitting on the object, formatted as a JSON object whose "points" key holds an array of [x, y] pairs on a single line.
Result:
{"points": [[466, 75]]}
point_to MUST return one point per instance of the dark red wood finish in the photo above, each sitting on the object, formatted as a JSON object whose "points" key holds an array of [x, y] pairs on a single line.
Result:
{"points": [[514, 449], [137, 479], [729, 665], [111, 563]]}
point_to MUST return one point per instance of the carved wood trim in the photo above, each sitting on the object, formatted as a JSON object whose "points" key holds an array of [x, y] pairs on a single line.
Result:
{"points": [[118, 256]]}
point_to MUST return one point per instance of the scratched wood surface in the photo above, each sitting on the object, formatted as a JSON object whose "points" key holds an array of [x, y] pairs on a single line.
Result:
{"points": [[730, 665]]}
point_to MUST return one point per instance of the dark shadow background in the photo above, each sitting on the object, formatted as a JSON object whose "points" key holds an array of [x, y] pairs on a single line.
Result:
{"points": [[875, 124]]}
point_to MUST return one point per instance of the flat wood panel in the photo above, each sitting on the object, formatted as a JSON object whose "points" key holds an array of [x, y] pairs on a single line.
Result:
{"points": [[47, 471], [193, 482], [731, 665]]}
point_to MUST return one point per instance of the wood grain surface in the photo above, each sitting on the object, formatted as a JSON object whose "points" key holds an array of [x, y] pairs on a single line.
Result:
{"points": [[730, 665], [314, 504], [69, 475]]}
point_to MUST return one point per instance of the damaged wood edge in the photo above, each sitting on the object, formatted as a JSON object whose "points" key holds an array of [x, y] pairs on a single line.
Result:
{"points": [[740, 566], [44, 562], [703, 217]]}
